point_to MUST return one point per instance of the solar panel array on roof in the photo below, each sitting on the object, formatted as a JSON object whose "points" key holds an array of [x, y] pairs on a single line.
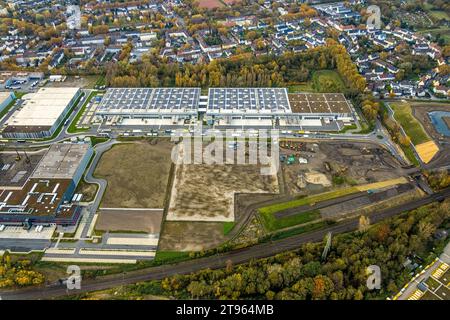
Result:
{"points": [[321, 103], [249, 100], [141, 100]]}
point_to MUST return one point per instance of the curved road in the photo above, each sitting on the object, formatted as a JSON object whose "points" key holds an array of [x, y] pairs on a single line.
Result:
{"points": [[99, 149], [217, 261]]}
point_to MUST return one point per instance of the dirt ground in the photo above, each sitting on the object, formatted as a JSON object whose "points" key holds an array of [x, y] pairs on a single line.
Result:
{"points": [[72, 81], [148, 221], [206, 192], [191, 236], [89, 190], [356, 163], [137, 174]]}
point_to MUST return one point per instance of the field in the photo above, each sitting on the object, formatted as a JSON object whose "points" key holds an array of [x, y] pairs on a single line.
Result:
{"points": [[442, 31], [421, 112], [206, 192], [137, 174], [123, 220], [270, 213], [439, 15], [321, 81], [301, 87], [403, 114], [327, 81], [210, 4], [191, 236], [270, 210]]}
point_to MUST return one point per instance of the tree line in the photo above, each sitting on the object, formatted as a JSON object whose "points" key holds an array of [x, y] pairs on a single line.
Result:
{"points": [[18, 273], [304, 274], [243, 70]]}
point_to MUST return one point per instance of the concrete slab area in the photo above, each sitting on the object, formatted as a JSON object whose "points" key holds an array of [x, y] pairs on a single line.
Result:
{"points": [[13, 232], [141, 241], [60, 251], [128, 253], [88, 260]]}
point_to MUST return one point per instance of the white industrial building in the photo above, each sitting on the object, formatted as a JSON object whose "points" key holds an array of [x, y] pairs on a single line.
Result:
{"points": [[248, 107], [41, 113], [224, 108], [150, 106]]}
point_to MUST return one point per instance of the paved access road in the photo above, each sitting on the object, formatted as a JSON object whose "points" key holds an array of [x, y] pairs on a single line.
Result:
{"points": [[99, 149], [217, 261]]}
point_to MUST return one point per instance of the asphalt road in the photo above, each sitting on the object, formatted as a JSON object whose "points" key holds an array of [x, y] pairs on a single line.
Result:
{"points": [[99, 150], [217, 261]]}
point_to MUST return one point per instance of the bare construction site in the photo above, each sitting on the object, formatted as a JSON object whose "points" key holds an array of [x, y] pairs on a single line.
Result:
{"points": [[311, 167], [204, 198], [202, 192]]}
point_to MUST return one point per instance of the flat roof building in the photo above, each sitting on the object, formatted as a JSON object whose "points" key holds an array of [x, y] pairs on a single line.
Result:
{"points": [[149, 106], [41, 113], [45, 196], [149, 101], [248, 101], [318, 111], [61, 161], [224, 108]]}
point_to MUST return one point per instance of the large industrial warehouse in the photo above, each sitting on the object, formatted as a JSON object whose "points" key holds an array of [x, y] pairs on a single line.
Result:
{"points": [[45, 197], [246, 106], [41, 113], [225, 108], [150, 106]]}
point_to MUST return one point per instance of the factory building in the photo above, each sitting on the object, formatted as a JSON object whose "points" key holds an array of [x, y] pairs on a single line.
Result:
{"points": [[46, 195], [41, 113]]}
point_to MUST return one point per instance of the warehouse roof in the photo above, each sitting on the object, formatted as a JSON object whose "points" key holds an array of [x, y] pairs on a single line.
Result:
{"points": [[248, 100], [43, 108], [320, 103], [61, 161], [148, 100]]}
